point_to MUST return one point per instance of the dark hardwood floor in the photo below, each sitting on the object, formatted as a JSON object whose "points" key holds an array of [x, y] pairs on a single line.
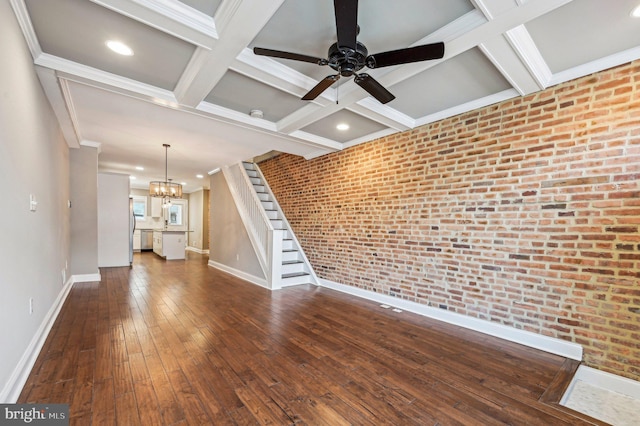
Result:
{"points": [[177, 343]]}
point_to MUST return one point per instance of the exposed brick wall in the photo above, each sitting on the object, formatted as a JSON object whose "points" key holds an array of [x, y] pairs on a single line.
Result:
{"points": [[525, 213]]}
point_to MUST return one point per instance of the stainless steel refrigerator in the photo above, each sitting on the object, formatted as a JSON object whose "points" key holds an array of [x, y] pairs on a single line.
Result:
{"points": [[132, 229]]}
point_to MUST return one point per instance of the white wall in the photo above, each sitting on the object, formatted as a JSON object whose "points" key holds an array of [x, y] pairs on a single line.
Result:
{"points": [[34, 246], [113, 220], [196, 211]]}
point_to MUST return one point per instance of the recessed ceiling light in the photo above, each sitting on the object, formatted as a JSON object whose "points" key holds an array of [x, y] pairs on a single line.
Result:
{"points": [[119, 47], [342, 126], [199, 176], [132, 177], [635, 13], [139, 168]]}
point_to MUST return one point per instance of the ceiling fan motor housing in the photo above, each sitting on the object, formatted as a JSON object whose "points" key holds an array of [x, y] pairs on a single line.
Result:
{"points": [[347, 61]]}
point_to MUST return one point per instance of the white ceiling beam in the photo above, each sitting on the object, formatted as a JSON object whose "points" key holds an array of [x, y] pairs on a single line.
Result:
{"points": [[277, 75], [383, 114], [105, 80], [506, 60], [169, 16], [244, 20], [514, 53], [61, 104], [522, 43]]}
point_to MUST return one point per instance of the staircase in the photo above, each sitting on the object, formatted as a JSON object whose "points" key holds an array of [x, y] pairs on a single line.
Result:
{"points": [[294, 266]]}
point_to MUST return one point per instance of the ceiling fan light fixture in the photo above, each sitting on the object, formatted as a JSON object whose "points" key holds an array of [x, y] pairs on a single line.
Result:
{"points": [[119, 47]]}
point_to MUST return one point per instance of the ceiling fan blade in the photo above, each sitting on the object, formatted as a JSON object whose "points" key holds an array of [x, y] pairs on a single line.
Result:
{"points": [[424, 52], [288, 55], [346, 22], [321, 87], [374, 88]]}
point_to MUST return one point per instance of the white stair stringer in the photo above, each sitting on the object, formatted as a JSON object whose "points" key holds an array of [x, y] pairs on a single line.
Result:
{"points": [[295, 267]]}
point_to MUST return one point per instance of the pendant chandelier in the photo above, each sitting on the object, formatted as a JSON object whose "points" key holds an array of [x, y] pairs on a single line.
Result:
{"points": [[166, 189]]}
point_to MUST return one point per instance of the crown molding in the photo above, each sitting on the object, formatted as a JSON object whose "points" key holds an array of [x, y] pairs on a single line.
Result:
{"points": [[92, 144], [171, 17], [20, 10], [469, 106], [91, 76], [611, 61]]}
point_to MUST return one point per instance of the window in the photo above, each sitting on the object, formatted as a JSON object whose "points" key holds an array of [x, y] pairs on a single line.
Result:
{"points": [[175, 214], [139, 207]]}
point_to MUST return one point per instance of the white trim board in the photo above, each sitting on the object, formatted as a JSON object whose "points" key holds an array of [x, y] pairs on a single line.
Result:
{"points": [[604, 380], [240, 274], [604, 396], [197, 250], [20, 374], [526, 338], [86, 278]]}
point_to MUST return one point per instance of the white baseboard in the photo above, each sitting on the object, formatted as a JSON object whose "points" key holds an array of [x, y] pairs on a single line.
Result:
{"points": [[197, 250], [262, 282], [20, 374], [86, 278], [527, 338]]}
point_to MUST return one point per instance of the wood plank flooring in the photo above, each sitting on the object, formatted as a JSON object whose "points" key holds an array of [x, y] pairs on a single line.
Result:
{"points": [[179, 343]]}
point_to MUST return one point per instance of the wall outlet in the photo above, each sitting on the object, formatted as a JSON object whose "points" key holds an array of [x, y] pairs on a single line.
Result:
{"points": [[30, 305]]}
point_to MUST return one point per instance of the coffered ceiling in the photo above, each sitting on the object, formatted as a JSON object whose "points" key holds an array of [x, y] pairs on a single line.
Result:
{"points": [[193, 78]]}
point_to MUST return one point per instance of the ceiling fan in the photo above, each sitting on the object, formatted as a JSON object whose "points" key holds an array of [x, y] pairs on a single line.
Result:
{"points": [[348, 56]]}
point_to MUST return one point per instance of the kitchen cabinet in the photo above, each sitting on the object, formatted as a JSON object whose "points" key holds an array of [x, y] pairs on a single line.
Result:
{"points": [[169, 244], [156, 207], [136, 240]]}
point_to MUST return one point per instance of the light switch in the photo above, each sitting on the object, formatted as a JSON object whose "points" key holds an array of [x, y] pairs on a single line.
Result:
{"points": [[33, 204]]}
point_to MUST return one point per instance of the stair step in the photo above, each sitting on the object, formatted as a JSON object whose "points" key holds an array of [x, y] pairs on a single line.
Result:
{"points": [[268, 205], [295, 279], [252, 173], [277, 224], [256, 181], [263, 196], [290, 255], [248, 166], [293, 267], [259, 188], [295, 274], [287, 244], [273, 214]]}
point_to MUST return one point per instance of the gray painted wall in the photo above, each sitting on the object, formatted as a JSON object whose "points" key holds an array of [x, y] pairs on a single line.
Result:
{"points": [[34, 159], [113, 220], [198, 217], [83, 164], [229, 241]]}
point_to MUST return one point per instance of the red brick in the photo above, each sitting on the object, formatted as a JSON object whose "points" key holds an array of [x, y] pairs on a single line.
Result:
{"points": [[524, 213]]}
